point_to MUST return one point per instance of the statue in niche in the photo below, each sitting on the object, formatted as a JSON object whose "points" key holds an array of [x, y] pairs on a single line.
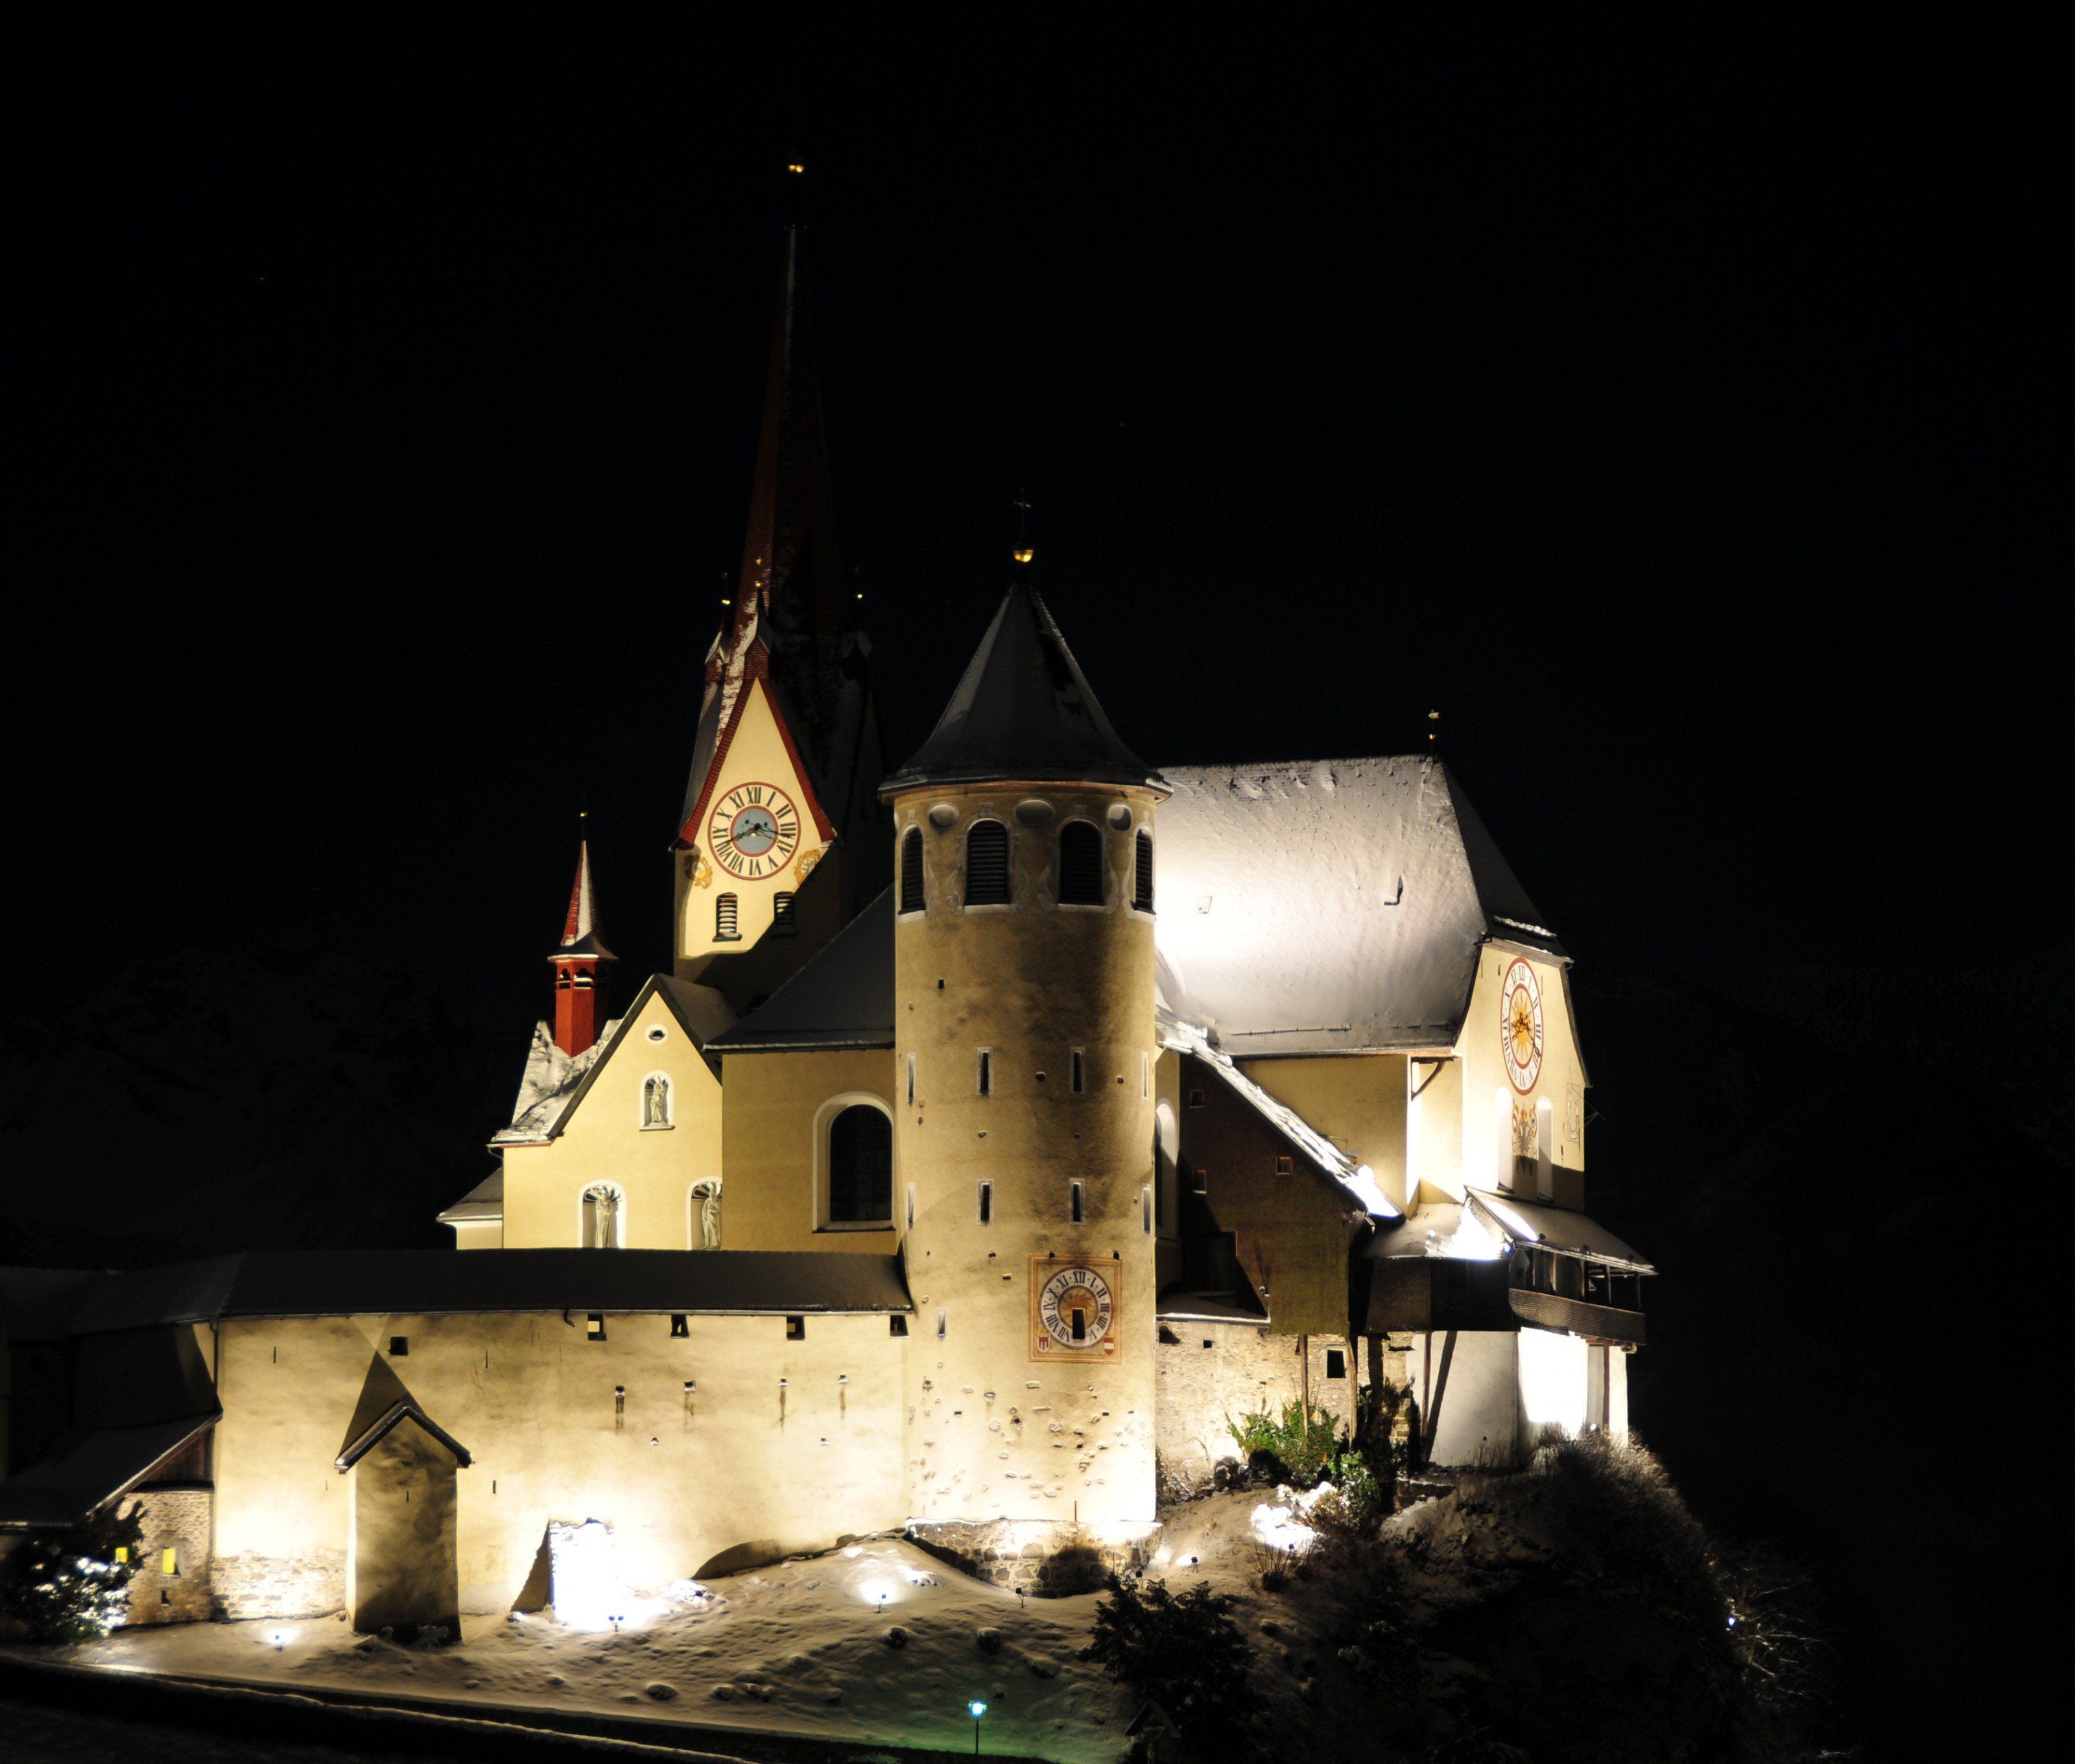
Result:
{"points": [[707, 1195], [601, 1209], [656, 1102]]}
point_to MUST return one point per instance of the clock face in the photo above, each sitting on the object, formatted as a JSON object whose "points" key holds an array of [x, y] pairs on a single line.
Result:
{"points": [[1520, 1026], [753, 831], [1076, 1310]]}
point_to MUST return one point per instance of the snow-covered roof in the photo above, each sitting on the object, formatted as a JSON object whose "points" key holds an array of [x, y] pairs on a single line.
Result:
{"points": [[1357, 1179], [842, 997], [1446, 1229], [85, 1468], [1557, 1228], [1023, 709], [484, 1201], [1329, 906], [580, 935]]}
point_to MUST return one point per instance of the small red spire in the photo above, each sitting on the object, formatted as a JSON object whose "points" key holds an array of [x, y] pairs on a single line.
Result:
{"points": [[579, 965]]}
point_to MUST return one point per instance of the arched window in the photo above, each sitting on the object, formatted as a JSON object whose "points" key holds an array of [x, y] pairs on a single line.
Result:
{"points": [[911, 871], [860, 1167], [604, 1217], [705, 1213], [986, 864], [725, 907], [1141, 881], [1080, 865], [656, 1101]]}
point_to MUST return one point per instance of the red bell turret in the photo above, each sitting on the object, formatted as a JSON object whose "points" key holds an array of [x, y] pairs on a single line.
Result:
{"points": [[579, 964]]}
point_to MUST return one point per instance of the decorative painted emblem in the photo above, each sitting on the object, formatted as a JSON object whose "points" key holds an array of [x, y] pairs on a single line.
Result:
{"points": [[1520, 1026], [1073, 1309], [753, 831]]}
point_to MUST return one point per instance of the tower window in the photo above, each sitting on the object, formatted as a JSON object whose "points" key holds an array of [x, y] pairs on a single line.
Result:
{"points": [[986, 1203], [1141, 882], [1080, 865], [911, 871], [943, 1322], [911, 1080], [1146, 1209], [726, 908], [987, 1071], [783, 923], [582, 981], [860, 1167], [1146, 1076], [1079, 1204], [986, 864], [911, 1206], [1076, 1083]]}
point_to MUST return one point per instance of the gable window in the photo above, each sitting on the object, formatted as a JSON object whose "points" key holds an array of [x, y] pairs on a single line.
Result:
{"points": [[859, 1167], [986, 864], [726, 910], [1141, 876], [1285, 1166], [1080, 865], [783, 923], [604, 1217], [911, 871], [655, 1101]]}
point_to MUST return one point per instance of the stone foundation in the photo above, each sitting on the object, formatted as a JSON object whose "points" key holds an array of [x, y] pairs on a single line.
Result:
{"points": [[1037, 1556], [251, 1585]]}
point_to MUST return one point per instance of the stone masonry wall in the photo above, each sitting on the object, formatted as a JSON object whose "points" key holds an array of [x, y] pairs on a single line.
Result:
{"points": [[179, 1520], [251, 1585], [1210, 1374], [1045, 1559]]}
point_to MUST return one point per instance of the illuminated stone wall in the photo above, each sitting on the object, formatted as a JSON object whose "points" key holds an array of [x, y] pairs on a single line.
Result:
{"points": [[1000, 1430], [176, 1520], [1210, 1374], [561, 1427]]}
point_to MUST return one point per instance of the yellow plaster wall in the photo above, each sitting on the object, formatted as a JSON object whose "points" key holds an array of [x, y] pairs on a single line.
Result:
{"points": [[757, 754], [680, 1477], [604, 1139], [1357, 1101], [1561, 1079], [773, 1142], [1433, 1130]]}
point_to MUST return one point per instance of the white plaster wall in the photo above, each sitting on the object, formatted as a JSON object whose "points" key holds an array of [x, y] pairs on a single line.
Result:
{"points": [[680, 1478], [1556, 1381], [1479, 1420]]}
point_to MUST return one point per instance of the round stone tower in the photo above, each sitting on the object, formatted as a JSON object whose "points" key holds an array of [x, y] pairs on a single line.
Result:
{"points": [[1025, 833]]}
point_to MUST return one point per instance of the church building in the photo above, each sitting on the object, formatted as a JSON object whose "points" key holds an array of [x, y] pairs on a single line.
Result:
{"points": [[1011, 1119]]}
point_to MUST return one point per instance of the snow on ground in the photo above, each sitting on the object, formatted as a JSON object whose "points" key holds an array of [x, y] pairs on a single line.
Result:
{"points": [[799, 1647]]}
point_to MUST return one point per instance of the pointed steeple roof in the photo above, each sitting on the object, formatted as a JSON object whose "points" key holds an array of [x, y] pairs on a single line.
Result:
{"points": [[1023, 710], [792, 621], [580, 935]]}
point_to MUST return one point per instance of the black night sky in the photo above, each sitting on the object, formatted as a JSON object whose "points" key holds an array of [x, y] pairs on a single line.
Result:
{"points": [[1678, 406], [1672, 406]]}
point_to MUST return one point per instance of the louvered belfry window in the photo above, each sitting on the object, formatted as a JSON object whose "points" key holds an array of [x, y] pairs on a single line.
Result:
{"points": [[911, 871], [724, 919], [1080, 865], [1142, 888], [986, 864], [782, 919]]}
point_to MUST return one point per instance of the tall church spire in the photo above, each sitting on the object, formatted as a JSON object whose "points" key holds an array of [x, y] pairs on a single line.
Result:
{"points": [[579, 961]]}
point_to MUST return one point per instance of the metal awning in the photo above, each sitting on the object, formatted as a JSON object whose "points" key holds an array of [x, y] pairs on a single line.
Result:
{"points": [[1556, 1229]]}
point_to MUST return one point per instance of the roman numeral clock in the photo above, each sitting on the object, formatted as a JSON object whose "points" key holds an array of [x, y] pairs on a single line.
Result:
{"points": [[753, 831]]}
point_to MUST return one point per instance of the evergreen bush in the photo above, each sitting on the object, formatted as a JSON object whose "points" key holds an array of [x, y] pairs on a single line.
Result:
{"points": [[73, 1585], [1186, 1653], [1300, 1439]]}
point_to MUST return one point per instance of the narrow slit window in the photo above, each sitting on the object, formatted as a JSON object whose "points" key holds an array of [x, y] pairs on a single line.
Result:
{"points": [[1077, 1082], [911, 1080], [169, 1559], [986, 1203], [943, 1322], [725, 911], [911, 1206], [911, 871], [986, 864], [987, 1071], [1145, 1210], [1079, 1204], [1142, 882], [1145, 1076], [1080, 865], [783, 923]]}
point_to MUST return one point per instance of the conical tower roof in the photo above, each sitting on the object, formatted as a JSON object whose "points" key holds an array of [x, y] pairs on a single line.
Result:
{"points": [[580, 935], [1023, 710]]}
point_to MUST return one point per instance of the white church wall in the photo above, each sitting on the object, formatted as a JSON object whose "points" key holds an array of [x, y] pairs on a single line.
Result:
{"points": [[1477, 1420], [781, 1447], [1556, 1380]]}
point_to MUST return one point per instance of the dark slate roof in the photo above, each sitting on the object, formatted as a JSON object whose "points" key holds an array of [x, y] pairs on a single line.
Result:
{"points": [[1023, 709], [843, 997], [430, 1283], [84, 1469]]}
